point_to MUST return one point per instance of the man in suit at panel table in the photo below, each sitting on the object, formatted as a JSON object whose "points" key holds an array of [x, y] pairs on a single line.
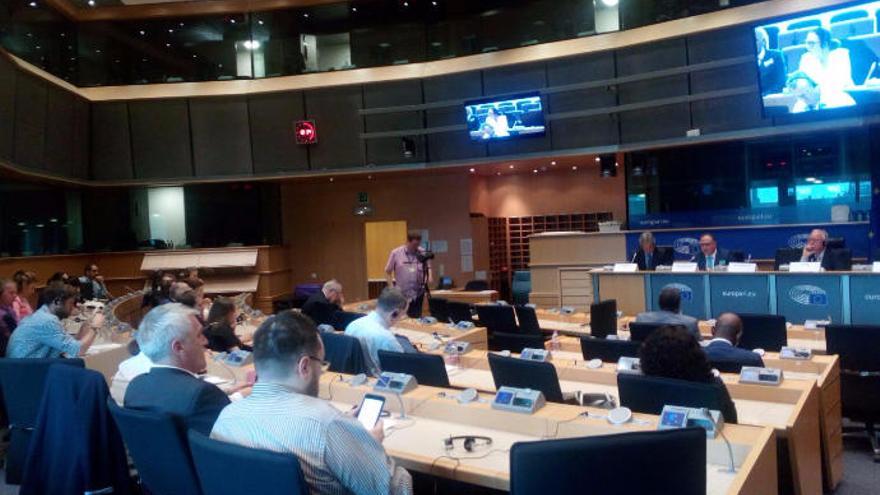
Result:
{"points": [[725, 338], [171, 337], [815, 251], [670, 312], [710, 255], [648, 257]]}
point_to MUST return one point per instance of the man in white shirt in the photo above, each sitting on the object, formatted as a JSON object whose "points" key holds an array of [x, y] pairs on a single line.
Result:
{"points": [[284, 414], [129, 369], [374, 330]]}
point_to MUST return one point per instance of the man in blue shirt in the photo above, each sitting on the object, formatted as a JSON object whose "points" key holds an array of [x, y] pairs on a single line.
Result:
{"points": [[41, 334], [374, 329]]}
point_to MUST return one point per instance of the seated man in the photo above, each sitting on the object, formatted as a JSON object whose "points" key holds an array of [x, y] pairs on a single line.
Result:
{"points": [[710, 255], [648, 257], [374, 330], [322, 305], [41, 335], [723, 346], [171, 337], [670, 312], [284, 414], [92, 284], [672, 352], [815, 252], [128, 370]]}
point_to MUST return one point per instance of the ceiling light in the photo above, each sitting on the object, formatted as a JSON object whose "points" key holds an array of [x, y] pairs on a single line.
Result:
{"points": [[260, 23], [91, 3], [574, 167], [252, 44], [511, 167], [170, 30], [473, 170], [232, 21], [610, 3], [535, 171], [306, 15], [354, 9], [553, 163], [331, 179], [497, 173], [598, 159], [142, 32], [33, 4]]}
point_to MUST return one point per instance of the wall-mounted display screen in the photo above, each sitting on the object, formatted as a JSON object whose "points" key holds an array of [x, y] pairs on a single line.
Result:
{"points": [[504, 118], [823, 60]]}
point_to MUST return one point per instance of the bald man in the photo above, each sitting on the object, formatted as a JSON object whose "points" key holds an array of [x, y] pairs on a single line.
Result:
{"points": [[322, 306], [725, 338]]}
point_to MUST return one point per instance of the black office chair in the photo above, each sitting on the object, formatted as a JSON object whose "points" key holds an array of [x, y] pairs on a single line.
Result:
{"points": [[528, 320], [835, 243], [476, 285], [857, 347], [639, 331], [429, 369], [459, 311], [725, 366], [228, 469], [159, 449], [785, 256], [618, 464], [344, 353], [515, 342], [842, 259], [664, 255], [648, 394], [23, 382], [766, 332], [603, 318], [341, 319], [437, 308], [516, 372], [609, 351], [737, 256], [497, 318]]}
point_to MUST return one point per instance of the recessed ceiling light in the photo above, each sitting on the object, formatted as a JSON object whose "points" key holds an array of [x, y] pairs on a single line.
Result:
{"points": [[181, 24], [170, 30], [574, 167], [306, 15], [260, 23], [33, 4], [535, 171], [473, 170], [354, 9], [331, 179], [598, 159], [91, 3], [511, 167], [142, 32], [232, 21], [553, 163], [497, 173]]}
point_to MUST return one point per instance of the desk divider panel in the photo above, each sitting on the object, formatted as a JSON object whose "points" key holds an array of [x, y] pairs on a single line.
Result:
{"points": [[693, 293], [739, 294], [809, 297], [864, 298]]}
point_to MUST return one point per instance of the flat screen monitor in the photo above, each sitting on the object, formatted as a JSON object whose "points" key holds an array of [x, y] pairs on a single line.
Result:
{"points": [[508, 117], [827, 59]]}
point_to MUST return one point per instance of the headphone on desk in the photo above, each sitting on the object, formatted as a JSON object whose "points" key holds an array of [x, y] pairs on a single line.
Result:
{"points": [[470, 442]]}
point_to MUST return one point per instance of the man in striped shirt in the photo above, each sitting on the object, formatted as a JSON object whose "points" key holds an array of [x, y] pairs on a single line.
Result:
{"points": [[284, 414]]}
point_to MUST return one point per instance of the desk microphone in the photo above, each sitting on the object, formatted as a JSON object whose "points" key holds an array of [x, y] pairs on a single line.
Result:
{"points": [[635, 253], [732, 467], [403, 408]]}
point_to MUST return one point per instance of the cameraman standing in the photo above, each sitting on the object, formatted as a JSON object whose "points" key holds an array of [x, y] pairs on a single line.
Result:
{"points": [[409, 269]]}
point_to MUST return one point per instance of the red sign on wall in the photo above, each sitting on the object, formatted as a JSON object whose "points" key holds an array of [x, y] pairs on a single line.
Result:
{"points": [[306, 132]]}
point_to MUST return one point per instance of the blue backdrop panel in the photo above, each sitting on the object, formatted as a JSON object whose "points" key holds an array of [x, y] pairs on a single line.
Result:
{"points": [[739, 294], [759, 242], [809, 297], [864, 296], [693, 293]]}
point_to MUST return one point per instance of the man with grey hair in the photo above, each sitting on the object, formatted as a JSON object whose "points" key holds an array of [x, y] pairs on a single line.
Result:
{"points": [[815, 252], [648, 257], [374, 329], [171, 337], [322, 306]]}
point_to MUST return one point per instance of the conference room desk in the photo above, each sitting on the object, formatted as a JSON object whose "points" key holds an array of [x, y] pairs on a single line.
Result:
{"points": [[416, 443], [455, 295], [421, 335], [792, 408]]}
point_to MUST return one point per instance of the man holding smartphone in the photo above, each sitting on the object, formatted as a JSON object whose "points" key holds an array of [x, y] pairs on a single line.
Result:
{"points": [[284, 414]]}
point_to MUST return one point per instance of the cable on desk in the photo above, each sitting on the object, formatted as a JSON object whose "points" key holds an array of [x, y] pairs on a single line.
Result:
{"points": [[556, 430], [330, 387]]}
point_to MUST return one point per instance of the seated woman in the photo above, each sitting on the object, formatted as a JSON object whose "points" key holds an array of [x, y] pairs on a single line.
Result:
{"points": [[24, 282], [673, 352], [220, 328]]}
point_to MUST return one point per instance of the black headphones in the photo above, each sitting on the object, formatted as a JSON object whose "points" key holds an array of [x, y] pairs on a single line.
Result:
{"points": [[471, 442]]}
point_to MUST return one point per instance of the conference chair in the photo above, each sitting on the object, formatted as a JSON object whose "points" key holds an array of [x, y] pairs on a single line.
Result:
{"points": [[737, 256], [228, 469], [159, 449], [516, 372], [528, 320], [521, 286], [618, 464], [459, 311], [639, 331], [515, 342], [476, 285], [437, 308], [664, 255], [835, 243], [497, 318], [785, 256], [344, 353], [429, 369], [842, 259], [341, 319], [648, 394], [603, 318], [766, 332], [23, 382], [609, 351], [726, 366], [857, 346]]}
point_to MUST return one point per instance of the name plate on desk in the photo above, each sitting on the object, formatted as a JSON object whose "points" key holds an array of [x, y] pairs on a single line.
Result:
{"points": [[628, 268], [737, 267], [805, 267], [760, 376], [876, 267], [684, 267]]}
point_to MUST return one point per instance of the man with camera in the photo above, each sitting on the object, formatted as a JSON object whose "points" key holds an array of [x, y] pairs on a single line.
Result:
{"points": [[409, 269]]}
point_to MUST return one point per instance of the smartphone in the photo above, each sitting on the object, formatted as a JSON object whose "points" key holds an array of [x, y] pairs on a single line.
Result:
{"points": [[371, 409]]}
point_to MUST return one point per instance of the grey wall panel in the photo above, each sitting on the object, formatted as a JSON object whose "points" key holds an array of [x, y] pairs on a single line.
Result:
{"points": [[583, 131], [727, 114], [463, 85], [221, 136], [670, 121], [272, 118], [386, 151], [721, 44], [7, 107], [30, 121], [111, 142], [60, 136], [81, 133], [453, 145], [335, 111], [651, 56], [514, 78], [160, 140]]}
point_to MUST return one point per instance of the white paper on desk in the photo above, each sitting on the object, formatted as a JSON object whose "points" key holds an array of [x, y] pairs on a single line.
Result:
{"points": [[737, 267], [466, 246], [215, 380], [467, 263], [440, 246], [99, 348], [876, 267], [626, 267], [684, 267], [804, 267]]}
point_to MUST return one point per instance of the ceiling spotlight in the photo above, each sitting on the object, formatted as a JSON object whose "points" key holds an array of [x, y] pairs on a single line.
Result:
{"points": [[511, 167], [473, 170], [598, 159], [142, 32], [331, 179], [252, 44], [553, 163], [574, 167], [306, 15], [170, 30], [91, 3], [181, 24], [498, 173], [232, 21], [610, 3], [33, 4], [354, 9], [260, 23], [535, 171]]}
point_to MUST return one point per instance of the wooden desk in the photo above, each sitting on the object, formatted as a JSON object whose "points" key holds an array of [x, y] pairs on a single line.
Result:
{"points": [[469, 297], [417, 443], [421, 335]]}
